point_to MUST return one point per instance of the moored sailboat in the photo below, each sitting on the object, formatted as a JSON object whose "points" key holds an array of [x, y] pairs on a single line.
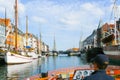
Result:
{"points": [[14, 57], [111, 45], [29, 52], [54, 52], [111, 39]]}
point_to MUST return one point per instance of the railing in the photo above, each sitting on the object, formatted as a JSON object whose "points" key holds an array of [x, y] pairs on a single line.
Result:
{"points": [[111, 48]]}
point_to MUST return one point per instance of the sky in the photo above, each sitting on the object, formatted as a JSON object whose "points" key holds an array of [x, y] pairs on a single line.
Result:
{"points": [[69, 21]]}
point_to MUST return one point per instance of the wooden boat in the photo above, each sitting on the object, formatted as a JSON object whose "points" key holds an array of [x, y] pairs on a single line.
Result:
{"points": [[33, 55], [112, 38], [75, 73], [15, 58], [12, 58], [29, 52], [113, 52]]}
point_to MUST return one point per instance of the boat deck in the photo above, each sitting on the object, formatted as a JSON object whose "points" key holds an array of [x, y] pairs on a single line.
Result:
{"points": [[70, 73]]}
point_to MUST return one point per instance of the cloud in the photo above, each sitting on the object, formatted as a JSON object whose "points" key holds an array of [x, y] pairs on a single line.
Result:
{"points": [[93, 9], [39, 19], [65, 19], [21, 9], [8, 5], [68, 18]]}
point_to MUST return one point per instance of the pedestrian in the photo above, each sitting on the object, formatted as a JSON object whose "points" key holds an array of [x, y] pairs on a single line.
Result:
{"points": [[100, 63]]}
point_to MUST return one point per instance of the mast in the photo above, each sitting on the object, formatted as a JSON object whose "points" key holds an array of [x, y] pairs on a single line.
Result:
{"points": [[16, 22], [99, 35], [80, 43], [54, 47], [37, 44], [40, 42], [5, 27], [115, 22], [26, 30]]}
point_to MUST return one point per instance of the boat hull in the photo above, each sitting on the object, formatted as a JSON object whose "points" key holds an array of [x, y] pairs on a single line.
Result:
{"points": [[72, 72], [11, 58], [74, 54], [55, 54], [114, 56], [33, 55], [1, 58]]}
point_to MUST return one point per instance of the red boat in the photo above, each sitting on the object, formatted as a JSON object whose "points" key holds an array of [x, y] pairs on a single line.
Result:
{"points": [[75, 73]]}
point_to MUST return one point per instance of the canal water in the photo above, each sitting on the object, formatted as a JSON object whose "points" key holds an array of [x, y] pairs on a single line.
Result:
{"points": [[41, 65]]}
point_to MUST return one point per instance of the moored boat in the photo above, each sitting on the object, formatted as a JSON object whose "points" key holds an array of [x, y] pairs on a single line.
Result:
{"points": [[74, 54], [15, 57], [12, 58], [113, 52], [111, 38], [75, 73], [33, 54], [111, 41], [55, 53]]}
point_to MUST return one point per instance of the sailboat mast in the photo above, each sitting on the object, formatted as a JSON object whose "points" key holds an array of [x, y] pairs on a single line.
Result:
{"points": [[26, 30], [40, 42], [80, 43], [16, 22], [5, 27], [54, 48], [115, 21], [99, 35]]}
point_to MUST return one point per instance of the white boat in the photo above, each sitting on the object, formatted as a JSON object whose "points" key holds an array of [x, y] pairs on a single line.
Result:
{"points": [[55, 53], [12, 58], [33, 55], [74, 54]]}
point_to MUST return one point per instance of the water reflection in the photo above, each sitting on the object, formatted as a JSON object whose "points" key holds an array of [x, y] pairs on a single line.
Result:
{"points": [[21, 71], [3, 71], [61, 61]]}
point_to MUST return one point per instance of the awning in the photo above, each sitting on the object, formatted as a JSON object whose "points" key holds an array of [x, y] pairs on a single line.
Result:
{"points": [[27, 47]]}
